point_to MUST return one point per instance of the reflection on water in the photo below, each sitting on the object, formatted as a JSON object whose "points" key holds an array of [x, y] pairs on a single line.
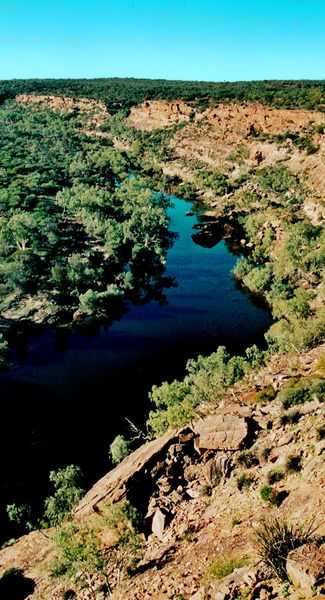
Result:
{"points": [[66, 398]]}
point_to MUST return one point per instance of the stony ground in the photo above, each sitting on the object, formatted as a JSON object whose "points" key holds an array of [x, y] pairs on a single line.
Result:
{"points": [[188, 482]]}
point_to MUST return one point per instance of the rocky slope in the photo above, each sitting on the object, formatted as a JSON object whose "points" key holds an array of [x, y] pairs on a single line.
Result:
{"points": [[236, 137], [199, 489]]}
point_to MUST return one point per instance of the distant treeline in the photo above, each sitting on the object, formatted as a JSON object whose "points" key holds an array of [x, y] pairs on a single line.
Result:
{"points": [[120, 93]]}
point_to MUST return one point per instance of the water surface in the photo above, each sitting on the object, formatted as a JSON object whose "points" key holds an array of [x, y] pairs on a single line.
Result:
{"points": [[66, 398]]}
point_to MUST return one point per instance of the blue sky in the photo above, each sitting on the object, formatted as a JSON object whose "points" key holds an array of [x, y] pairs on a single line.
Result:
{"points": [[214, 40]]}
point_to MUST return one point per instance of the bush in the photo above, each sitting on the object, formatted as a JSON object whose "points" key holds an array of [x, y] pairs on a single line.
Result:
{"points": [[119, 449], [207, 379], [67, 494], [265, 395], [317, 390], [290, 418], [270, 495], [266, 452], [244, 481], [275, 475], [277, 179], [274, 539], [320, 128], [293, 463], [258, 279], [247, 458], [255, 357], [78, 555], [295, 391], [242, 267], [321, 432], [21, 514]]}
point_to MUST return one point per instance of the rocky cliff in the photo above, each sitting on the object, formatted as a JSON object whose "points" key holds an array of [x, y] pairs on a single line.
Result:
{"points": [[232, 137]]}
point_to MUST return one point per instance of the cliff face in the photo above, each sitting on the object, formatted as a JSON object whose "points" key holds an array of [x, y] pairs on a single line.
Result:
{"points": [[230, 137], [95, 110], [155, 114], [201, 495]]}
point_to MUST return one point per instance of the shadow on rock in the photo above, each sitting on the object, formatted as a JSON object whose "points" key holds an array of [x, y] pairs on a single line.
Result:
{"points": [[14, 586]]}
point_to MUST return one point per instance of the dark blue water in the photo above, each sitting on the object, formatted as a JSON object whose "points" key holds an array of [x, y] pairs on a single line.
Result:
{"points": [[66, 399]]}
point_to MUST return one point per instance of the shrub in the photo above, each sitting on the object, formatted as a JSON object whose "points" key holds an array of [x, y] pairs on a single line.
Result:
{"points": [[274, 539], [247, 458], [277, 179], [290, 418], [21, 514], [275, 475], [267, 394], [321, 432], [207, 379], [270, 495], [225, 564], [317, 390], [244, 481], [295, 391], [255, 357], [266, 452], [258, 279], [67, 494], [78, 556], [119, 449], [294, 396], [293, 463], [242, 267]]}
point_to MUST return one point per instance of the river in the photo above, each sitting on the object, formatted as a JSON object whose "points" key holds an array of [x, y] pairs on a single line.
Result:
{"points": [[67, 395]]}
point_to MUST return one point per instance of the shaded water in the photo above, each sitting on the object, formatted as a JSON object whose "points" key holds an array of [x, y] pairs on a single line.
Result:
{"points": [[66, 398]]}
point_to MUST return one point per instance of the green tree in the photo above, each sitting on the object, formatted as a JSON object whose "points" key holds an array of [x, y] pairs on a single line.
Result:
{"points": [[119, 449], [67, 494]]}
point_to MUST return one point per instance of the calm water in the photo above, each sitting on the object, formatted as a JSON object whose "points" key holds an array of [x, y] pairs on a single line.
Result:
{"points": [[65, 400]]}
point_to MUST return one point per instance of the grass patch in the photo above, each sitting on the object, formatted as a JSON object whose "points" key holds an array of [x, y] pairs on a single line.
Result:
{"points": [[224, 565]]}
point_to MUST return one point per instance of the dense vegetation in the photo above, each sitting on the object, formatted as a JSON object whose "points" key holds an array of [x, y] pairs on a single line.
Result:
{"points": [[78, 235], [124, 93]]}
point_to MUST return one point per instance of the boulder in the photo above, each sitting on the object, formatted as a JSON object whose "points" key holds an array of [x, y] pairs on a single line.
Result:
{"points": [[216, 469], [306, 567], [221, 432], [158, 524], [136, 467]]}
